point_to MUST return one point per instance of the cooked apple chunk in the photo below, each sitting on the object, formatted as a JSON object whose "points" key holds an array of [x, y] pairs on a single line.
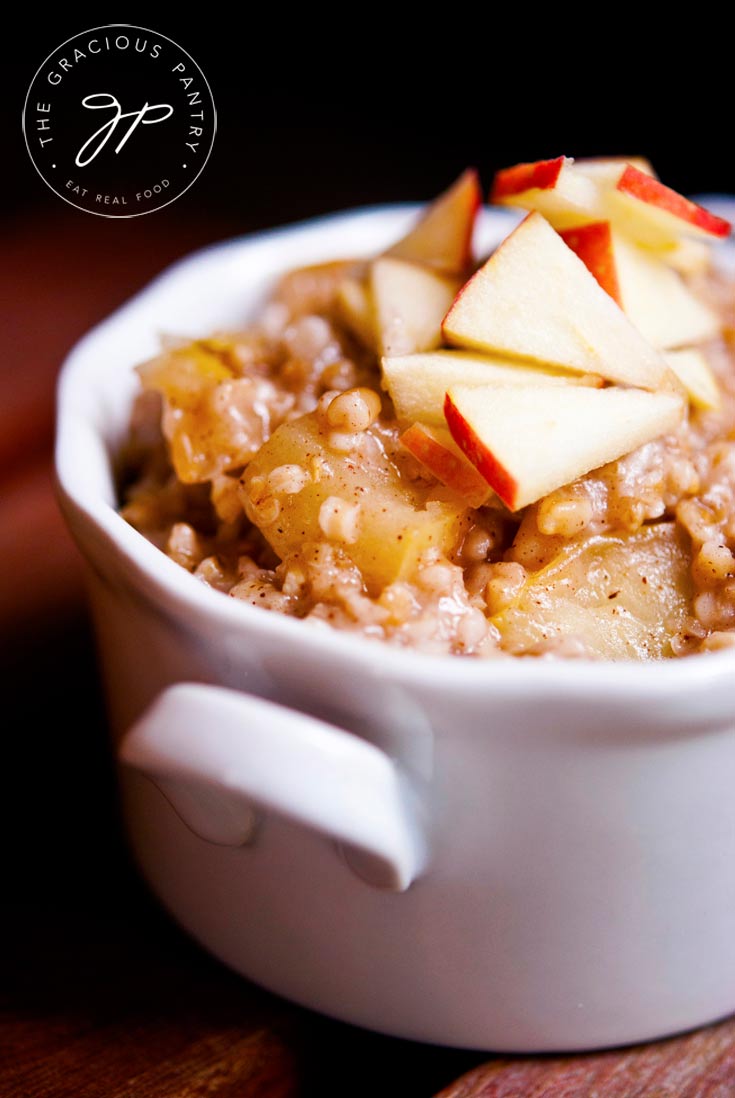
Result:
{"points": [[211, 417], [300, 489], [621, 597]]}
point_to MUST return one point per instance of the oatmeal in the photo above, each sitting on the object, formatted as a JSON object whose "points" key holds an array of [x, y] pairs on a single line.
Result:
{"points": [[533, 457]]}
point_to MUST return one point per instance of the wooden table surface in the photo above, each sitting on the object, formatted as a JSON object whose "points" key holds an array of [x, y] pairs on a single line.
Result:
{"points": [[101, 995]]}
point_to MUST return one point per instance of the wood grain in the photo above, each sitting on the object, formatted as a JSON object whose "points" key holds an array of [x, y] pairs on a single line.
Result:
{"points": [[130, 1015], [700, 1064]]}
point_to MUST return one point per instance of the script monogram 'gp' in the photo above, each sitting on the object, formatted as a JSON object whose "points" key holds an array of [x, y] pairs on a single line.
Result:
{"points": [[105, 100]]}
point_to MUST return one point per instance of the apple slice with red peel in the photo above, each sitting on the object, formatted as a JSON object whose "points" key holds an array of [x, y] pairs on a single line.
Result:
{"points": [[435, 448], [410, 302], [529, 441], [540, 175], [686, 255], [554, 174], [651, 213], [553, 188], [417, 383], [443, 236], [653, 296], [624, 191], [667, 207], [535, 299], [695, 374], [593, 243]]}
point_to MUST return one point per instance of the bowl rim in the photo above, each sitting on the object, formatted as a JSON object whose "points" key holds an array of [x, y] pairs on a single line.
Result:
{"points": [[78, 440]]}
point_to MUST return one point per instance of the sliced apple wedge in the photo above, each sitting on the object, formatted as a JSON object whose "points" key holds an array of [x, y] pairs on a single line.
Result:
{"points": [[410, 302], [443, 236], [657, 300], [528, 441], [654, 195], [593, 243], [561, 181], [417, 383], [654, 214], [624, 191], [535, 299], [600, 167], [687, 256], [356, 307], [652, 295], [552, 187], [535, 175], [695, 374], [435, 448]]}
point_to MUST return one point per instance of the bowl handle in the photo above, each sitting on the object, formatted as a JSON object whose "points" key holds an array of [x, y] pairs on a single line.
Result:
{"points": [[216, 753]]}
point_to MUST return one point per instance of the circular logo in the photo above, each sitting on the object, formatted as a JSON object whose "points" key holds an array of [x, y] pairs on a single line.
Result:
{"points": [[119, 121]]}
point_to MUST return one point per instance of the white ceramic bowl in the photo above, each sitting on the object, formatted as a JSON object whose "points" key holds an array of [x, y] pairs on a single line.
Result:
{"points": [[517, 855]]}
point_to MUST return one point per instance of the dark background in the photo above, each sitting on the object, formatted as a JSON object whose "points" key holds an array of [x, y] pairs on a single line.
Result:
{"points": [[361, 118], [368, 116]]}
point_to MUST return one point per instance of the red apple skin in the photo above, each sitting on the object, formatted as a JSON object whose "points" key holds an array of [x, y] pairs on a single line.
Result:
{"points": [[497, 476], [446, 466], [540, 175], [644, 187], [593, 244]]}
